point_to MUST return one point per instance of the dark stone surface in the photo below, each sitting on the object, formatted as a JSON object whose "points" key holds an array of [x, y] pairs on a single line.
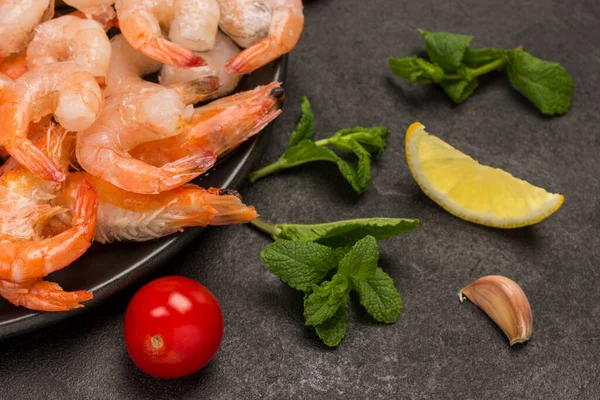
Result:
{"points": [[439, 348]]}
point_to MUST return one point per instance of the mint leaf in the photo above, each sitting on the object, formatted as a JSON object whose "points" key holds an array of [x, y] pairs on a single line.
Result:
{"points": [[446, 49], [299, 264], [325, 300], [379, 296], [548, 85], [374, 139], [416, 70], [334, 329], [363, 171], [305, 129], [480, 57], [361, 261], [343, 233], [459, 90], [304, 152]]}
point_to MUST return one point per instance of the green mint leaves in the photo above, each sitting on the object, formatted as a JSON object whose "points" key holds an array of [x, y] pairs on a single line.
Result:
{"points": [[362, 142], [329, 261], [456, 68], [548, 85]]}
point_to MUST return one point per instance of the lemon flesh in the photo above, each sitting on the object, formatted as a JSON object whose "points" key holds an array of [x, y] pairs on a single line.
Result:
{"points": [[471, 191]]}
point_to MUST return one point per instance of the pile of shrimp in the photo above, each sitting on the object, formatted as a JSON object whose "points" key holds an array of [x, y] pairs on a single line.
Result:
{"points": [[94, 152]]}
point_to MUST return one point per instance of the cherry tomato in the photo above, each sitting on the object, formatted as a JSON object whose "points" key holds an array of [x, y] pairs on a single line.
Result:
{"points": [[173, 327]]}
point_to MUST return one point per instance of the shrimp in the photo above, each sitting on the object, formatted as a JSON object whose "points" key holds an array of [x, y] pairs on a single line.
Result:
{"points": [[69, 38], [14, 66], [24, 260], [192, 24], [18, 18], [216, 59], [99, 10], [129, 65], [62, 89], [42, 295], [144, 112], [219, 126], [126, 216], [266, 28]]}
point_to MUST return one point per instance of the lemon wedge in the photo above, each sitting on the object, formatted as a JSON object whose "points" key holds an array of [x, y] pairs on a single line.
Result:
{"points": [[471, 191]]}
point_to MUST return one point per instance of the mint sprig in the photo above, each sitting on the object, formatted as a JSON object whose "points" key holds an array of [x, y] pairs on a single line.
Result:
{"points": [[456, 68], [329, 273], [362, 142]]}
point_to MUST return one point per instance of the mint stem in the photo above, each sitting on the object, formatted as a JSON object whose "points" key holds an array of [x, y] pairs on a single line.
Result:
{"points": [[265, 227], [261, 173], [323, 142], [484, 69]]}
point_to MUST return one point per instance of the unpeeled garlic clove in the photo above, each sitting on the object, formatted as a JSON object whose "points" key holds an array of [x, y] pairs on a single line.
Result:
{"points": [[505, 303]]}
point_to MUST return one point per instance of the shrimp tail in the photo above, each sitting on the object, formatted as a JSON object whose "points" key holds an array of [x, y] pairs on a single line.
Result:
{"points": [[194, 164], [229, 207], [84, 213], [34, 159], [42, 295], [196, 90], [170, 53], [252, 58]]}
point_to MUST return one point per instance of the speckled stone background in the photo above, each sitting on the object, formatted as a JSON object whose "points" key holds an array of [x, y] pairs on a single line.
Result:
{"points": [[439, 349]]}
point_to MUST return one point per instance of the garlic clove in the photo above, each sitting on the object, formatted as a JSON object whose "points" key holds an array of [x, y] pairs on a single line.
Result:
{"points": [[504, 301]]}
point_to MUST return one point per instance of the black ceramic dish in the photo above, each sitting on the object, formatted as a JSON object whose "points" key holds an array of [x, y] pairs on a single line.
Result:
{"points": [[110, 268]]}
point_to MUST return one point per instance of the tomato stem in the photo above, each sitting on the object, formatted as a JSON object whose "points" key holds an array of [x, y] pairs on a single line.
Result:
{"points": [[157, 341]]}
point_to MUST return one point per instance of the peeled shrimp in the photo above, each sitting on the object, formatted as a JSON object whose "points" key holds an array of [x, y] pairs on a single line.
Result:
{"points": [[62, 89], [129, 216], [266, 28], [192, 24], [219, 126], [69, 38], [99, 10], [145, 112], [42, 295], [18, 18], [129, 65], [23, 260], [216, 59]]}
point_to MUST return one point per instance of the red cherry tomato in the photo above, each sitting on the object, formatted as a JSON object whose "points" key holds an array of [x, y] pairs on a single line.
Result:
{"points": [[173, 327]]}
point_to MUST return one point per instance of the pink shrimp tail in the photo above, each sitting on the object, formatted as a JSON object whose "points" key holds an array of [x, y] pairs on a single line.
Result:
{"points": [[28, 155], [173, 54], [252, 58], [42, 295]]}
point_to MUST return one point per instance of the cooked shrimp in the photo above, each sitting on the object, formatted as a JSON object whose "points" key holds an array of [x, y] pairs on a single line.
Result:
{"points": [[191, 23], [23, 260], [216, 59], [69, 38], [14, 66], [266, 28], [62, 89], [18, 18], [25, 199], [129, 216], [99, 10], [129, 65], [42, 295], [219, 126]]}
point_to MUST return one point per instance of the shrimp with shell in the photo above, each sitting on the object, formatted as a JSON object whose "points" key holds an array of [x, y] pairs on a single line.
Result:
{"points": [[267, 29], [137, 111], [218, 127], [18, 19], [26, 254], [126, 216], [61, 89], [192, 25]]}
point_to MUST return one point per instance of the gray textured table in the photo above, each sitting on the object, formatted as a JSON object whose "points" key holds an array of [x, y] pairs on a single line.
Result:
{"points": [[439, 348]]}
